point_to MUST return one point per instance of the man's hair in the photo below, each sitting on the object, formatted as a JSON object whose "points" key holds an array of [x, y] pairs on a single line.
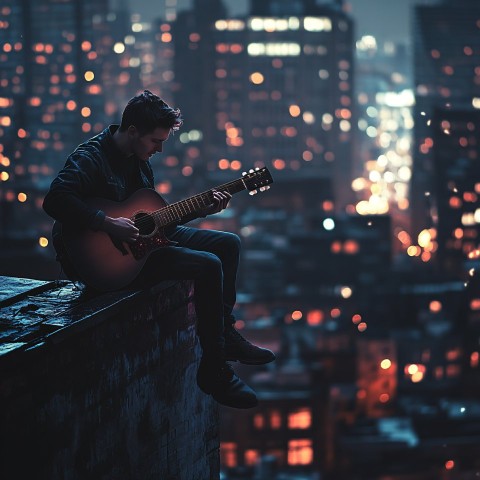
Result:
{"points": [[147, 111]]}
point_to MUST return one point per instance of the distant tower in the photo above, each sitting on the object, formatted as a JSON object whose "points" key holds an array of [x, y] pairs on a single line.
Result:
{"points": [[447, 76], [273, 88], [456, 153], [57, 62]]}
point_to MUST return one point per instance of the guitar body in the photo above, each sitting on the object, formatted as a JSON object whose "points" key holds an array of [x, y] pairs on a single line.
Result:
{"points": [[106, 264]]}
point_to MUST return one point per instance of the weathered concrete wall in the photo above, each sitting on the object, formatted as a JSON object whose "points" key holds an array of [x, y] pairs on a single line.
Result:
{"points": [[104, 387]]}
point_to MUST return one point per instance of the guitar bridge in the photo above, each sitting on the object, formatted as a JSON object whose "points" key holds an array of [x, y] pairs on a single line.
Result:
{"points": [[146, 244]]}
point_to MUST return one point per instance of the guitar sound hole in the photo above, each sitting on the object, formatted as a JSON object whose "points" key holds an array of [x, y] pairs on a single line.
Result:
{"points": [[145, 223]]}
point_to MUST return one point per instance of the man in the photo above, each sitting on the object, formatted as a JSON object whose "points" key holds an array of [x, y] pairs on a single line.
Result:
{"points": [[113, 165]]}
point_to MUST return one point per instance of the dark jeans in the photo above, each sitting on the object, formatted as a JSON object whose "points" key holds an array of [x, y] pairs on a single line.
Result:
{"points": [[209, 258]]}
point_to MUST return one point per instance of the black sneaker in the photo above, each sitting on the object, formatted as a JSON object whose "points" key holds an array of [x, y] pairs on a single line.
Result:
{"points": [[220, 381], [239, 349]]}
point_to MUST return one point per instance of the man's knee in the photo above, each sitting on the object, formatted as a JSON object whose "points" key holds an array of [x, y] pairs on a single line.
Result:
{"points": [[211, 264], [232, 242]]}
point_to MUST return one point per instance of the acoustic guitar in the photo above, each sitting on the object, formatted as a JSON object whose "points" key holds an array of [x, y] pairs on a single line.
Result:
{"points": [[106, 264]]}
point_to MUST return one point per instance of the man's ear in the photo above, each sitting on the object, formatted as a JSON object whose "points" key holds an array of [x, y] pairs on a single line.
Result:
{"points": [[132, 131]]}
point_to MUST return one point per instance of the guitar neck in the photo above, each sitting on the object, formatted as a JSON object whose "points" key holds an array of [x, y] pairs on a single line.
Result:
{"points": [[192, 206]]}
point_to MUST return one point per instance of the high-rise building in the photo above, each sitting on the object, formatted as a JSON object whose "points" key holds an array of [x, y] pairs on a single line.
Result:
{"points": [[383, 161], [447, 75], [456, 153], [274, 88], [63, 66]]}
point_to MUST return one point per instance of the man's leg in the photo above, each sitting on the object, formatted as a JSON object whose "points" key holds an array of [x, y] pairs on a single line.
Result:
{"points": [[225, 246], [214, 376]]}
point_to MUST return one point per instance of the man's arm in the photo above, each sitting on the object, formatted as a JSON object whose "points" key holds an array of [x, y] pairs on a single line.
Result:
{"points": [[64, 201]]}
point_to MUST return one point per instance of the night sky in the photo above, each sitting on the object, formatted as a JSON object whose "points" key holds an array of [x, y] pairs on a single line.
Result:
{"points": [[388, 20]]}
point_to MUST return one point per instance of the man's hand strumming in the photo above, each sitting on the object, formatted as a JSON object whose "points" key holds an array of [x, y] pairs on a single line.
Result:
{"points": [[122, 228]]}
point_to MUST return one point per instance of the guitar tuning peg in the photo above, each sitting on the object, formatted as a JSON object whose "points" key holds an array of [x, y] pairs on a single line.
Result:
{"points": [[253, 192], [257, 169], [267, 187], [251, 170], [244, 173], [262, 189]]}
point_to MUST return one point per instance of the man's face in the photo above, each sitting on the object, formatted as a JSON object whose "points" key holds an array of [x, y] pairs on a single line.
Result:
{"points": [[144, 146]]}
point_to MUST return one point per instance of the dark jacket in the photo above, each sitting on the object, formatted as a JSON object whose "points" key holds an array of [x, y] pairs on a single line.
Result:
{"points": [[96, 168]]}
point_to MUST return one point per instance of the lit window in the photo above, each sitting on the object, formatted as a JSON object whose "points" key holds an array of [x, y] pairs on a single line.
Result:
{"points": [[94, 89], [316, 24], [453, 370], [362, 326], [454, 354], [259, 421], [435, 306], [221, 24], [251, 457], [275, 420], [357, 318], [386, 363], [475, 304], [449, 465], [308, 118], [119, 47], [468, 219], [315, 317], [43, 242], [294, 110], [301, 418], [166, 37], [300, 452], [474, 357], [297, 315], [232, 25], [187, 171], [351, 247], [476, 215], [257, 78], [384, 398], [279, 164], [228, 454], [274, 49]]}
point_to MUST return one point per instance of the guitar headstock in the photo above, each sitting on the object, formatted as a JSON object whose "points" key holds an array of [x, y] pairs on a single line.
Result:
{"points": [[257, 179]]}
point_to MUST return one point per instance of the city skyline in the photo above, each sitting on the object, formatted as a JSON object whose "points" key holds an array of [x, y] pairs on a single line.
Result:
{"points": [[372, 17], [375, 320]]}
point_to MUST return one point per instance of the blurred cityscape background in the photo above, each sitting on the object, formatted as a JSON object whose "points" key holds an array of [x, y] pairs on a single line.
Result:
{"points": [[359, 266]]}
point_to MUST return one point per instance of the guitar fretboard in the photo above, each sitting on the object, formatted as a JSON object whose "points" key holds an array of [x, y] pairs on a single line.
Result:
{"points": [[176, 212]]}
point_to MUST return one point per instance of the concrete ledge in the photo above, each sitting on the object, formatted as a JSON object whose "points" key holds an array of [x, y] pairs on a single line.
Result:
{"points": [[102, 387]]}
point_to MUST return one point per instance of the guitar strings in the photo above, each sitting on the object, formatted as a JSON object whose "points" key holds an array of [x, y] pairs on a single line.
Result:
{"points": [[157, 213], [145, 220]]}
